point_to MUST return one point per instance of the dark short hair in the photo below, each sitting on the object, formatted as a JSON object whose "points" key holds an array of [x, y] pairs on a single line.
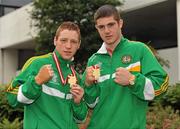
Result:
{"points": [[68, 25], [107, 11]]}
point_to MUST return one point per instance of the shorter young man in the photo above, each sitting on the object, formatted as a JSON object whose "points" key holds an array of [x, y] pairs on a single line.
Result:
{"points": [[48, 86]]}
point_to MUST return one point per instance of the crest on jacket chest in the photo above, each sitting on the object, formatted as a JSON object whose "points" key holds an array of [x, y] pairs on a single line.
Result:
{"points": [[126, 59]]}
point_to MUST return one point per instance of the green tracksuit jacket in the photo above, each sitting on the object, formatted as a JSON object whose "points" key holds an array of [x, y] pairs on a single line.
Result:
{"points": [[124, 107], [49, 106]]}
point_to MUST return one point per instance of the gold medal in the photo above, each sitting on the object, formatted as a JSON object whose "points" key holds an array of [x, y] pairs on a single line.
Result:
{"points": [[96, 72], [71, 80]]}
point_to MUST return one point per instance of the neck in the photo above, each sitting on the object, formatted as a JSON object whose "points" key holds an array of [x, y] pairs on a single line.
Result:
{"points": [[113, 45]]}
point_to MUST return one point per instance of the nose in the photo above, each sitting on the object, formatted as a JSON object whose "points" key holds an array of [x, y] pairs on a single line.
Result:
{"points": [[68, 44], [106, 29]]}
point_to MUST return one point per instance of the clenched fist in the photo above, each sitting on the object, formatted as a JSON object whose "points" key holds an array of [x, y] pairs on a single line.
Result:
{"points": [[44, 74], [122, 76]]}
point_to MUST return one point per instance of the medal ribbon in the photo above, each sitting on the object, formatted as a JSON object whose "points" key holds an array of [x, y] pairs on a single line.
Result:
{"points": [[57, 62], [95, 66]]}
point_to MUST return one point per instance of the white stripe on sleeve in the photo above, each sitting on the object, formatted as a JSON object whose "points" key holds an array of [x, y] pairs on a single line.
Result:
{"points": [[23, 99], [149, 93]]}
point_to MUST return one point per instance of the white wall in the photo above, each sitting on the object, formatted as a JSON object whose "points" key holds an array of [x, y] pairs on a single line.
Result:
{"points": [[178, 35], [1, 67], [171, 55], [130, 5], [15, 32], [10, 64], [16, 27]]}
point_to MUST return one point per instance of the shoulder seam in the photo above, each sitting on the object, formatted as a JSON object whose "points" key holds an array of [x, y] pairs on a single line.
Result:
{"points": [[29, 61]]}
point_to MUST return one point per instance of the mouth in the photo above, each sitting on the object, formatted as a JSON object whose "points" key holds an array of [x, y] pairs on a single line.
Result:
{"points": [[108, 36], [68, 52]]}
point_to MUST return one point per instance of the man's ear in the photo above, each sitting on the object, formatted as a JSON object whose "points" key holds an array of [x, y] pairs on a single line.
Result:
{"points": [[79, 44], [121, 23], [55, 40], [96, 26]]}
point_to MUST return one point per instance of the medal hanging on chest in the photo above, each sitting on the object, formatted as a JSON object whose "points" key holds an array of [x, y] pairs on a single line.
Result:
{"points": [[70, 77]]}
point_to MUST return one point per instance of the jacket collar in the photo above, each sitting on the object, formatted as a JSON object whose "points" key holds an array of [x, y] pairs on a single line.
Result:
{"points": [[103, 49]]}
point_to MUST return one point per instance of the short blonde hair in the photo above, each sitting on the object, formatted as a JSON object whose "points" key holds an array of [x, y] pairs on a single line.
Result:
{"points": [[68, 25]]}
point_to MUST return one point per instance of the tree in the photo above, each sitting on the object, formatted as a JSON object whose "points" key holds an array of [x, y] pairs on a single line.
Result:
{"points": [[49, 14]]}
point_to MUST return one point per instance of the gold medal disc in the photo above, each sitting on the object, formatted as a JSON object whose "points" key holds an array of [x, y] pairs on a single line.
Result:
{"points": [[96, 73], [71, 80]]}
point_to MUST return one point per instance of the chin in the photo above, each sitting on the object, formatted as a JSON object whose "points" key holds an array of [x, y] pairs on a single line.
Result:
{"points": [[109, 43], [67, 58]]}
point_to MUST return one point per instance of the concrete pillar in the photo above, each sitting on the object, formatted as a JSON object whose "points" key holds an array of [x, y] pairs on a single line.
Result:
{"points": [[1, 66], [178, 35], [10, 65], [167, 54]]}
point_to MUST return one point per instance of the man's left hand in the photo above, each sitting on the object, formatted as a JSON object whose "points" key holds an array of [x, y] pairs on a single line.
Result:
{"points": [[122, 76], [77, 93]]}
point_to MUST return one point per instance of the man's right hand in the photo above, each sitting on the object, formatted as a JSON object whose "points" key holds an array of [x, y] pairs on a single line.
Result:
{"points": [[45, 74], [90, 78]]}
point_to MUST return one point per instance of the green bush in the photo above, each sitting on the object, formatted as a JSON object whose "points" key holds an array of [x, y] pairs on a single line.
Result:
{"points": [[159, 117], [10, 118], [171, 98], [6, 124], [164, 111]]}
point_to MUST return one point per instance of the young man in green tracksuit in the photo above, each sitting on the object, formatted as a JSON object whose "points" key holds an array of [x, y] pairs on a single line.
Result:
{"points": [[48, 86], [121, 77]]}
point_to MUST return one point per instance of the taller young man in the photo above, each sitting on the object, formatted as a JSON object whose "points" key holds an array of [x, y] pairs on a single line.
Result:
{"points": [[48, 87], [121, 78]]}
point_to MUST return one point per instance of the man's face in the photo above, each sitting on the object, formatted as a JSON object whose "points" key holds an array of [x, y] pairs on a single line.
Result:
{"points": [[67, 43], [109, 29]]}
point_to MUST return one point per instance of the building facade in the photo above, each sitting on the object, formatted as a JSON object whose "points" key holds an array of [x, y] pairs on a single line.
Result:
{"points": [[7, 6], [155, 21]]}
